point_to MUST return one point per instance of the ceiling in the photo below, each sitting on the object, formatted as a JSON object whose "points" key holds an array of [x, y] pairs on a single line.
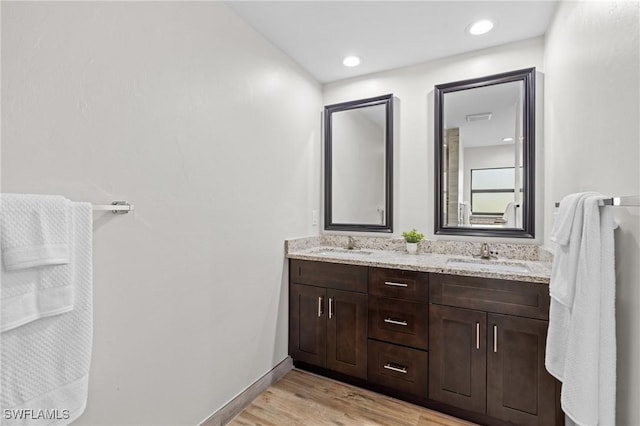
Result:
{"points": [[387, 34]]}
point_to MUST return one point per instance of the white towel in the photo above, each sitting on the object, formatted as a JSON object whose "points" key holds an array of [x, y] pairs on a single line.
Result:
{"points": [[509, 215], [35, 230], [44, 364], [30, 294], [567, 234], [581, 347], [567, 227], [36, 277]]}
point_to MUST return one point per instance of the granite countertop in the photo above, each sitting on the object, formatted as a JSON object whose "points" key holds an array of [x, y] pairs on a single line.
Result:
{"points": [[534, 271]]}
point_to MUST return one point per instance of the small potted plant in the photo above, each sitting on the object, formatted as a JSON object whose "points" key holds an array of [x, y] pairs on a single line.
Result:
{"points": [[412, 238]]}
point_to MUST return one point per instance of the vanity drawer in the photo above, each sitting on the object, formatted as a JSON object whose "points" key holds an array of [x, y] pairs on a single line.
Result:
{"points": [[399, 321], [492, 295], [399, 284], [398, 368], [330, 275]]}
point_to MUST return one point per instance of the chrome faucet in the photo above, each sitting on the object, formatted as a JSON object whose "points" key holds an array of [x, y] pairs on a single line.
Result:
{"points": [[484, 251], [351, 244]]}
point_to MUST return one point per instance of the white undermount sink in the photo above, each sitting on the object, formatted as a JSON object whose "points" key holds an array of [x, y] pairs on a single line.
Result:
{"points": [[338, 250], [487, 265]]}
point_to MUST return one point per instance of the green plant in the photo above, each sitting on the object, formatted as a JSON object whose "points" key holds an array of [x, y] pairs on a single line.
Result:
{"points": [[413, 236]]}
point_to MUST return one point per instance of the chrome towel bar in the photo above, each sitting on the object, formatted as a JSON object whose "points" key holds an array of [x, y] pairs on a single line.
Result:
{"points": [[629, 201], [117, 207]]}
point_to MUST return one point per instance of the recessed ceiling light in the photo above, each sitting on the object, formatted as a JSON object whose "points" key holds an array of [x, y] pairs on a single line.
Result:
{"points": [[507, 140], [351, 61], [481, 27]]}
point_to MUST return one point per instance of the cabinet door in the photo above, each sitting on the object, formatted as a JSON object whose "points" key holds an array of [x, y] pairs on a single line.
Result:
{"points": [[347, 332], [519, 389], [307, 324], [457, 357]]}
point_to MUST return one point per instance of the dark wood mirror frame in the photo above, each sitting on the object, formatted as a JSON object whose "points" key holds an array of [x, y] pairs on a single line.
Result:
{"points": [[527, 76], [387, 101]]}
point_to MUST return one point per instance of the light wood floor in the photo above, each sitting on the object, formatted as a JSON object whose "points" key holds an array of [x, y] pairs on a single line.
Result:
{"points": [[302, 398]]}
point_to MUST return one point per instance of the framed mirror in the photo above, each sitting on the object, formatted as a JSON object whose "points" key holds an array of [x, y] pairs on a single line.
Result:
{"points": [[485, 156], [358, 165]]}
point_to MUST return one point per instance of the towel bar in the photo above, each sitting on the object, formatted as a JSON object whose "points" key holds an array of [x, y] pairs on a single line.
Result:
{"points": [[629, 201], [117, 207]]}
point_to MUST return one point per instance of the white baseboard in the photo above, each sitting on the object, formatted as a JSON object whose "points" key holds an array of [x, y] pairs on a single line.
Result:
{"points": [[226, 413]]}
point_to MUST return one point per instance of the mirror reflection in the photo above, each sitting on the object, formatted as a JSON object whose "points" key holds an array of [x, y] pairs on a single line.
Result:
{"points": [[485, 155], [358, 143], [359, 156], [482, 157]]}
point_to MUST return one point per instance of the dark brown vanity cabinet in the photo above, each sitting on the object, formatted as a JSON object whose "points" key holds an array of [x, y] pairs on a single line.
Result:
{"points": [[467, 346], [487, 341], [328, 316], [398, 330]]}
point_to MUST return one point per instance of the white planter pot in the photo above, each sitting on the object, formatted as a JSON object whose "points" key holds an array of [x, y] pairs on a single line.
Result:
{"points": [[412, 248]]}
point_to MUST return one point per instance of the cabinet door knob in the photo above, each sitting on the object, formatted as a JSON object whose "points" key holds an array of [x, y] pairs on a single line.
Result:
{"points": [[477, 335], [396, 284], [396, 322], [397, 368], [320, 306]]}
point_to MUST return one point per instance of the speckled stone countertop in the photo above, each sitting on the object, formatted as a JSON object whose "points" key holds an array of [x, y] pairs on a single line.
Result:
{"points": [[455, 260]]}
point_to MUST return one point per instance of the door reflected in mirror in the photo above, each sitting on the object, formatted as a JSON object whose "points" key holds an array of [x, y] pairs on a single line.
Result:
{"points": [[358, 168], [485, 156]]}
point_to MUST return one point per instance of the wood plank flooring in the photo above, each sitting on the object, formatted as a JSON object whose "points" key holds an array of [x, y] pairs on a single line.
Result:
{"points": [[302, 398]]}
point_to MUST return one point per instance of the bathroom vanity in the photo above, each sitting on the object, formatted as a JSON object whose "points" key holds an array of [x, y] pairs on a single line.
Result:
{"points": [[469, 342]]}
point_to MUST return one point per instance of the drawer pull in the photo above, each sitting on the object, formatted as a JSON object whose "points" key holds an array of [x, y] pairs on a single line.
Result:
{"points": [[320, 306], [396, 368], [477, 335], [395, 322], [495, 338], [391, 283]]}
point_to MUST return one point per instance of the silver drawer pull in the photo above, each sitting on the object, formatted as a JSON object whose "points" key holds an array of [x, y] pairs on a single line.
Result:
{"points": [[320, 306], [477, 335], [396, 368], [495, 338], [396, 284], [396, 322]]}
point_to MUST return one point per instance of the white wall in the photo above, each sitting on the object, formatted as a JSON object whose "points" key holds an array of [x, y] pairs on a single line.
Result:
{"points": [[412, 88], [592, 142], [214, 135]]}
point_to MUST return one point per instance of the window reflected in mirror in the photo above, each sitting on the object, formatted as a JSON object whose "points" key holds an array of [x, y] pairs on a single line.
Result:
{"points": [[494, 196]]}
